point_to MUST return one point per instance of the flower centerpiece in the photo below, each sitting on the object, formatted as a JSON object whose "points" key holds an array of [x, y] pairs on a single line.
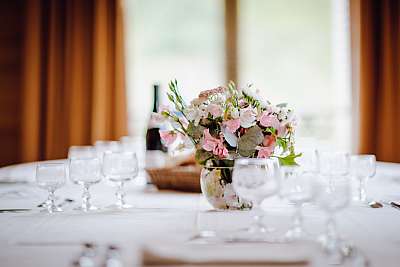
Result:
{"points": [[223, 124]]}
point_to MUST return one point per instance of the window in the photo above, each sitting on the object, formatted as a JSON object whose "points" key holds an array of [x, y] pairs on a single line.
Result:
{"points": [[293, 51], [182, 39]]}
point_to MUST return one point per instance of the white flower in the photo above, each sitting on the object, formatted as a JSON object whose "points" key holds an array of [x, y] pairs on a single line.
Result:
{"points": [[235, 113], [215, 110], [247, 117], [194, 114], [230, 137]]}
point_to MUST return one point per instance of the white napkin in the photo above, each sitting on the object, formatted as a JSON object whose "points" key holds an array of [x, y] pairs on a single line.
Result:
{"points": [[21, 173], [243, 254]]}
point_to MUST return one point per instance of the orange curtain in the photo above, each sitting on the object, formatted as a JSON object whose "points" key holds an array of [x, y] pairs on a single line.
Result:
{"points": [[376, 72], [74, 89]]}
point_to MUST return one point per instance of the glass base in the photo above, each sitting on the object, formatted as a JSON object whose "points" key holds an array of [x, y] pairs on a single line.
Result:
{"points": [[120, 207], [296, 234], [86, 209], [53, 209], [335, 249]]}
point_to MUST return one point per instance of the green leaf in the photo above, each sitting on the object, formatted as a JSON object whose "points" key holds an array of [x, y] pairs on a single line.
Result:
{"points": [[195, 131], [202, 156], [282, 105], [282, 143], [248, 142], [289, 159]]}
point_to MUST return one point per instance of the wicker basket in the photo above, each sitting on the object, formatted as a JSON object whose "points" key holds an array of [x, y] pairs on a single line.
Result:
{"points": [[181, 178]]}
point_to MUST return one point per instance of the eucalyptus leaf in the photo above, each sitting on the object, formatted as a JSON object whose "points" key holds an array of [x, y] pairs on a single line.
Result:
{"points": [[248, 142], [195, 131], [202, 156], [282, 105]]}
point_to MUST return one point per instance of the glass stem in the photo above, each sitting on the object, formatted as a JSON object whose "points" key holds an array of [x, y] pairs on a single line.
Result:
{"points": [[362, 194], [120, 194], [298, 218], [86, 197], [51, 205], [258, 216], [331, 230]]}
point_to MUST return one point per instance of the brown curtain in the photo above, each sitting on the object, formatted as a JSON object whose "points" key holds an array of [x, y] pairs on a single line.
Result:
{"points": [[74, 90], [376, 72]]}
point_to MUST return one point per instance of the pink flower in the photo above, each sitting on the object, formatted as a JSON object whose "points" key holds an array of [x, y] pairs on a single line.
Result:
{"points": [[214, 91], [232, 125], [220, 150], [168, 137], [215, 145], [264, 152], [209, 142], [269, 140], [269, 120], [215, 110]]}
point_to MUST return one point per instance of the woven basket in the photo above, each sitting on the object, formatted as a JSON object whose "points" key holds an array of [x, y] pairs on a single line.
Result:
{"points": [[181, 178]]}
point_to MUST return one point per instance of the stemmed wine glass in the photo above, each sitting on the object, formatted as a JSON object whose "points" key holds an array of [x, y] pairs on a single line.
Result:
{"points": [[51, 176], [85, 172], [333, 195], [363, 167], [298, 187], [120, 167], [334, 163], [256, 180]]}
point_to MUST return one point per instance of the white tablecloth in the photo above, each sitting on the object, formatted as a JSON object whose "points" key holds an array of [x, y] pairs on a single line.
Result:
{"points": [[37, 239]]}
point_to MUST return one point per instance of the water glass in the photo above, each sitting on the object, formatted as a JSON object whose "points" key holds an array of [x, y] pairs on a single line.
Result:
{"points": [[85, 172], [120, 167], [332, 196], [256, 180], [298, 187], [81, 152], [50, 177], [363, 167]]}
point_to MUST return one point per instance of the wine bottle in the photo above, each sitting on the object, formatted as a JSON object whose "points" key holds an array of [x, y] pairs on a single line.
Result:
{"points": [[153, 140]]}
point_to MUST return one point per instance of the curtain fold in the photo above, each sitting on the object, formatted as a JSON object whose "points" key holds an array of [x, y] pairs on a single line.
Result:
{"points": [[74, 88], [376, 69]]}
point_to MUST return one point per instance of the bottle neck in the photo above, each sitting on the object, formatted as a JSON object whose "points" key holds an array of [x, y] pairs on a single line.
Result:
{"points": [[155, 98]]}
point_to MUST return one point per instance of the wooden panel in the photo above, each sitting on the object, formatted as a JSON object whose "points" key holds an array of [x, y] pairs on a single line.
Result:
{"points": [[11, 44]]}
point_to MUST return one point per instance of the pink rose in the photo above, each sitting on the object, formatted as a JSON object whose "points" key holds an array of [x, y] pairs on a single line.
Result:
{"points": [[264, 152], [168, 137], [269, 120], [220, 150], [232, 125], [215, 145]]}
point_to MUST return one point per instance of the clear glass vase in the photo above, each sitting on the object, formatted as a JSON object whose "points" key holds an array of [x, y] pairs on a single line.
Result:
{"points": [[216, 186]]}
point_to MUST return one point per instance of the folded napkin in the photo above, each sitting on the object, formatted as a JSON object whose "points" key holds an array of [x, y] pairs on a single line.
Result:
{"points": [[227, 255], [21, 173]]}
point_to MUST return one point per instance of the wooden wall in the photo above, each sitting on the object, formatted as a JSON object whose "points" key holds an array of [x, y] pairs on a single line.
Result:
{"points": [[11, 51]]}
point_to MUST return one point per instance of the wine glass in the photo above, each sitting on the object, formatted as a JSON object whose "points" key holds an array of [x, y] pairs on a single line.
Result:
{"points": [[81, 152], [297, 186], [85, 172], [120, 167], [363, 167], [333, 195], [309, 160], [334, 163], [103, 146], [256, 180], [50, 177]]}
